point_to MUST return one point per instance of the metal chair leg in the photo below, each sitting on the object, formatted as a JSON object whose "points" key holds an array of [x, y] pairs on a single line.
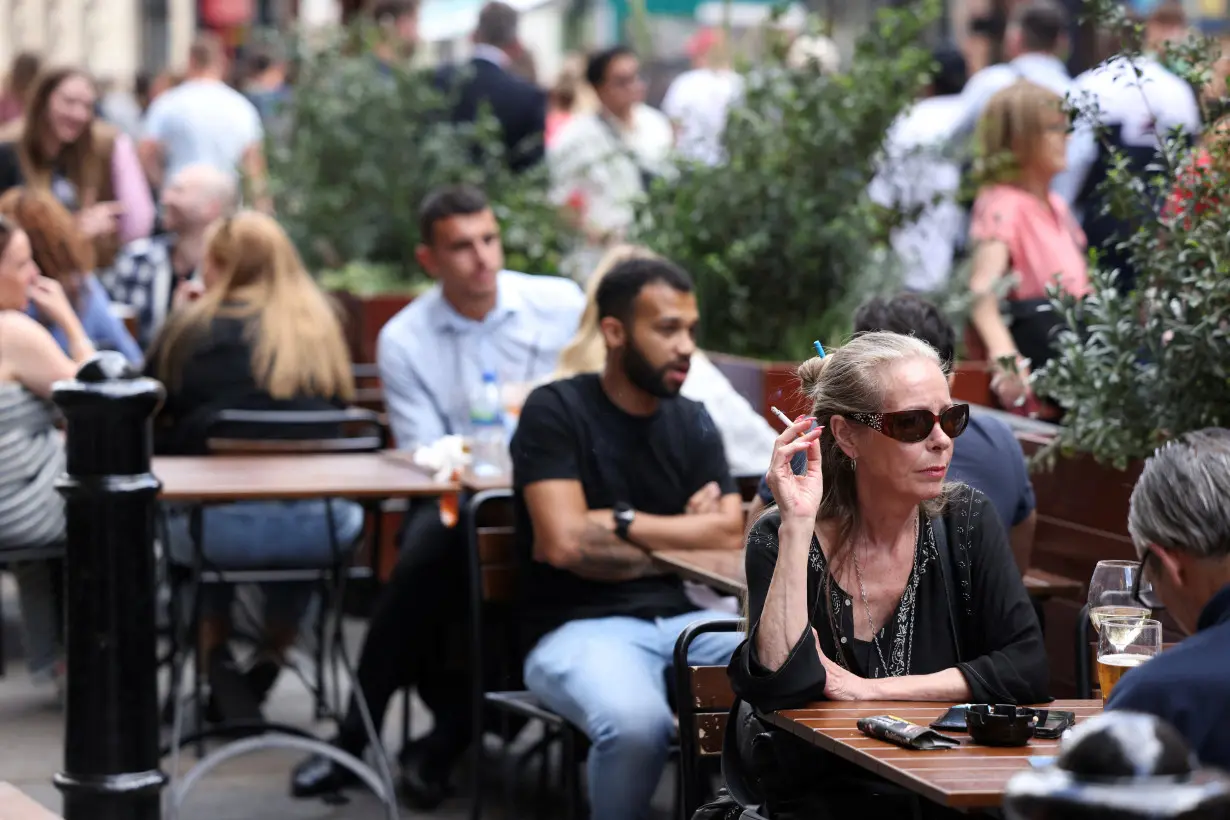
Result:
{"points": [[571, 780], [318, 652], [198, 670]]}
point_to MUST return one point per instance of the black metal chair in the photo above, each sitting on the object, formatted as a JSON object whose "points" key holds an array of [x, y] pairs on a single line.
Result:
{"points": [[690, 703], [494, 570], [487, 519], [264, 433]]}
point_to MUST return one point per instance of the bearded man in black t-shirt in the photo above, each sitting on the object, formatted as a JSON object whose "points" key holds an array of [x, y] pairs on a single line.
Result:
{"points": [[608, 469]]}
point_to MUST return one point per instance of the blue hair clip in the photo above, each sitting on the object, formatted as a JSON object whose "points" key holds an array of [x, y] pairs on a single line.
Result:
{"points": [[819, 349]]}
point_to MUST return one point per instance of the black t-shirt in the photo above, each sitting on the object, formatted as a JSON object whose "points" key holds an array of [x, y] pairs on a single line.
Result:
{"points": [[570, 430]]}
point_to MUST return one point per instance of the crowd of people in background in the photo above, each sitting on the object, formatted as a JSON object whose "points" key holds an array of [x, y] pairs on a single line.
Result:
{"points": [[158, 204]]}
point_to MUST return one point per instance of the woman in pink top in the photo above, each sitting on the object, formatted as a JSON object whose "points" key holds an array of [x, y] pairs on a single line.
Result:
{"points": [[1021, 229]]}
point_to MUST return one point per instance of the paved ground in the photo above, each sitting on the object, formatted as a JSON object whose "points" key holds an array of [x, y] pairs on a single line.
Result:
{"points": [[31, 737]]}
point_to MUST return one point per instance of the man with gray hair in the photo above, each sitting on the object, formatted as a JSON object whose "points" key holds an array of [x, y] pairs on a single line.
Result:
{"points": [[1179, 520], [147, 273], [519, 106]]}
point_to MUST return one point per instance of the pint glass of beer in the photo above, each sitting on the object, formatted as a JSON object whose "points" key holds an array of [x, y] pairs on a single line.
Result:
{"points": [[1125, 643]]}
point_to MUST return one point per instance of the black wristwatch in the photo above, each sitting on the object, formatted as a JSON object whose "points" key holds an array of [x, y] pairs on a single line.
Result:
{"points": [[624, 516]]}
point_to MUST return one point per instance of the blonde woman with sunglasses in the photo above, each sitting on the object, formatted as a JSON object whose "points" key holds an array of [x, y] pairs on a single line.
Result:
{"points": [[874, 579]]}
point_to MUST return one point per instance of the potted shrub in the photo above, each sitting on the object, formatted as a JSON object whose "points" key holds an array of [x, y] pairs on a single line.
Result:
{"points": [[364, 147], [1136, 369], [782, 239]]}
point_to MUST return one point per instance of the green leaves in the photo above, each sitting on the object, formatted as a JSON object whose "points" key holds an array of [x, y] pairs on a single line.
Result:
{"points": [[1149, 365], [782, 240], [367, 144]]}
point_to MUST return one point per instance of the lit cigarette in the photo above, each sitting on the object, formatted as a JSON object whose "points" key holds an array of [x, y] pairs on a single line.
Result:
{"points": [[784, 418]]}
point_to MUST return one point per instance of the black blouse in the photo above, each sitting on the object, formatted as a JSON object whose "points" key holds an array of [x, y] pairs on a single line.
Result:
{"points": [[990, 632], [217, 375]]}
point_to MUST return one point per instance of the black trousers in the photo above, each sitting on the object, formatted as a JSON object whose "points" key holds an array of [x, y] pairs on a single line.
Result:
{"points": [[412, 638]]}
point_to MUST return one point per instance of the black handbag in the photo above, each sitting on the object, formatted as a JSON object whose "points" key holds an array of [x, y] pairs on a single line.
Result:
{"points": [[1035, 324], [735, 800]]}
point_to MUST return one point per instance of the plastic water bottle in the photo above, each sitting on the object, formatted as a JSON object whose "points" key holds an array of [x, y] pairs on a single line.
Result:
{"points": [[489, 446]]}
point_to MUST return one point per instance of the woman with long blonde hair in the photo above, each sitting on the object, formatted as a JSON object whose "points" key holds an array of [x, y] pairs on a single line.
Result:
{"points": [[874, 578], [256, 333], [746, 435]]}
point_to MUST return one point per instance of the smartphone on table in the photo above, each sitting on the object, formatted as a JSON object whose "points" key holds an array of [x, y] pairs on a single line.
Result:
{"points": [[1052, 723]]}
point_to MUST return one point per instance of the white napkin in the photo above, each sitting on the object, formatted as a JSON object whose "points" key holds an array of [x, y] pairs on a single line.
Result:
{"points": [[444, 458]]}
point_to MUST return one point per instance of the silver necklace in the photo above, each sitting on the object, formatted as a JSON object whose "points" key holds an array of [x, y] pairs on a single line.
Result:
{"points": [[862, 591]]}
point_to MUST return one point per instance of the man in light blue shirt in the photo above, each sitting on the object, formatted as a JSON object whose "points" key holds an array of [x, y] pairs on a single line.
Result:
{"points": [[478, 317]]}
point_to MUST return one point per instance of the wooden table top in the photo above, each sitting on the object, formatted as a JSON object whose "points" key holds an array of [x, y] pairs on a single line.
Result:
{"points": [[723, 570], [966, 777], [720, 569], [290, 477], [471, 483]]}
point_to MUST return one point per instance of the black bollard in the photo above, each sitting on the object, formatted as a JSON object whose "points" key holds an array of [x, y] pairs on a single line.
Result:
{"points": [[111, 737]]}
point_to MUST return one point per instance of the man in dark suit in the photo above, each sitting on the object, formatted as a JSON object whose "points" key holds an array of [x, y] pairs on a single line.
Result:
{"points": [[520, 106]]}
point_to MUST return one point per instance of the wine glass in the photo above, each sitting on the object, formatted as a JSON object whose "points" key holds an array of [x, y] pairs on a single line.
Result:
{"points": [[1110, 592], [1125, 643]]}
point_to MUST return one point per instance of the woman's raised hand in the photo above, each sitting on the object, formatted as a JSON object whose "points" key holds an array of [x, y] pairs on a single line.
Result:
{"points": [[48, 296], [797, 496]]}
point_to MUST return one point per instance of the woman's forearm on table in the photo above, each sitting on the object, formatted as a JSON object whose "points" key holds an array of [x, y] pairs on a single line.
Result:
{"points": [[949, 685], [784, 615]]}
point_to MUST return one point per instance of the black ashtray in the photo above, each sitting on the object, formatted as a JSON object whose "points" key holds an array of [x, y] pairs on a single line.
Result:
{"points": [[1000, 725]]}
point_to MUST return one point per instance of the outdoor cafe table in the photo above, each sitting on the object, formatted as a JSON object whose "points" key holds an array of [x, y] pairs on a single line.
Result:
{"points": [[968, 777], [723, 570], [279, 477]]}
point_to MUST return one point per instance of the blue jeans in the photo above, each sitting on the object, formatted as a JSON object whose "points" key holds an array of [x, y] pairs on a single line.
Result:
{"points": [[265, 535], [607, 676]]}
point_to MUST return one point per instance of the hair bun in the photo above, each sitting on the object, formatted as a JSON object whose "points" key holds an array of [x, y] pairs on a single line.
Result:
{"points": [[809, 373]]}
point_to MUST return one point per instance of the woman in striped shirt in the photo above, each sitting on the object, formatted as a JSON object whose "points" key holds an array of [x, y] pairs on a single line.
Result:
{"points": [[31, 450]]}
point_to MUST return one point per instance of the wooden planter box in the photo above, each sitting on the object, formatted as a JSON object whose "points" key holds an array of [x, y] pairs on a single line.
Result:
{"points": [[764, 385], [1082, 519], [365, 316]]}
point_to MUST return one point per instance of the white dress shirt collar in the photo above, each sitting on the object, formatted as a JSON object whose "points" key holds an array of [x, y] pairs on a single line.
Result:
{"points": [[491, 54]]}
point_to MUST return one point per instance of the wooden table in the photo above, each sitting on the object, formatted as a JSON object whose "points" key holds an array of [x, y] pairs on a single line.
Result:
{"points": [[723, 570], [969, 777], [720, 569], [291, 477], [471, 483]]}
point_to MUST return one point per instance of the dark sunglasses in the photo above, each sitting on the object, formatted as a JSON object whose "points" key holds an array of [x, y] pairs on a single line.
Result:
{"points": [[910, 426]]}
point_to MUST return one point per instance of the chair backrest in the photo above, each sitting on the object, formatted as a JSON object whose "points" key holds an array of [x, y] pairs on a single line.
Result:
{"points": [[365, 370], [490, 515], [256, 432], [369, 392], [496, 642], [703, 698]]}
